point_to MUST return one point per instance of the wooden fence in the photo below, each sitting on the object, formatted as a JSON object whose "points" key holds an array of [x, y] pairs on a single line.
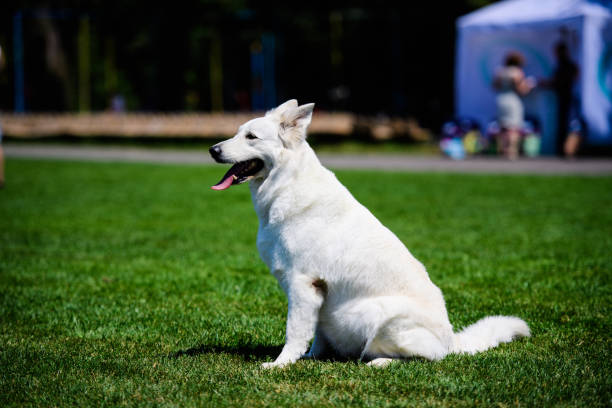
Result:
{"points": [[200, 125], [192, 125]]}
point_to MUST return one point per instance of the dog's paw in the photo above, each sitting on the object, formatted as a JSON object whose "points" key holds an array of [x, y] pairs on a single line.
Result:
{"points": [[273, 364], [380, 362]]}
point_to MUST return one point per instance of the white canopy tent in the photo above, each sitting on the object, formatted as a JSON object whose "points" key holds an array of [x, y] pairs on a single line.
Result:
{"points": [[533, 27]]}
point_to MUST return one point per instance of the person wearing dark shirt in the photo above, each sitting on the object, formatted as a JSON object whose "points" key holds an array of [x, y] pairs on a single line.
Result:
{"points": [[562, 83]]}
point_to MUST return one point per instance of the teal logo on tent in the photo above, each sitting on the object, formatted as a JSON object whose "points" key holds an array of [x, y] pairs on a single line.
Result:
{"points": [[603, 72]]}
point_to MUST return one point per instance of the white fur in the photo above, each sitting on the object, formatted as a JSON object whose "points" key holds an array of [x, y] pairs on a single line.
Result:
{"points": [[347, 277]]}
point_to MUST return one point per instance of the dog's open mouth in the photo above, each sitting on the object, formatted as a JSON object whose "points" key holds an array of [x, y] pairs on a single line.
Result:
{"points": [[239, 173]]}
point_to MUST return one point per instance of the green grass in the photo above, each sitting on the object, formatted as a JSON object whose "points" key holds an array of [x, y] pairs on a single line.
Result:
{"points": [[132, 284]]}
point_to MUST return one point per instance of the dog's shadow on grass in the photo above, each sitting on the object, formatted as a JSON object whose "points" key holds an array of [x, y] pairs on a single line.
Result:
{"points": [[247, 353]]}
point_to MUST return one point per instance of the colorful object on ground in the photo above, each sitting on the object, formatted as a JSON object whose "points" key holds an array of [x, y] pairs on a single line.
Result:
{"points": [[461, 137]]}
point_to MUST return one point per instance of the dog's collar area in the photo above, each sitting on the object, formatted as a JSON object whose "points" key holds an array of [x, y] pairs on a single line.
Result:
{"points": [[239, 173]]}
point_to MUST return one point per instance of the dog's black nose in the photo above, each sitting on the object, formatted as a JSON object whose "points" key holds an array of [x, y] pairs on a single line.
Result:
{"points": [[215, 152]]}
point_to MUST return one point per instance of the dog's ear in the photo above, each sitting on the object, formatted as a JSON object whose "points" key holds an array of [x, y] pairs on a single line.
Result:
{"points": [[293, 124], [280, 109]]}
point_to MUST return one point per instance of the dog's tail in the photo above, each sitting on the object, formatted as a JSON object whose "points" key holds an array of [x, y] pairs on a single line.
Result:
{"points": [[489, 332]]}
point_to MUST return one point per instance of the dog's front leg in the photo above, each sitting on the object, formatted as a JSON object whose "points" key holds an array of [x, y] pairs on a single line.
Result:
{"points": [[305, 300]]}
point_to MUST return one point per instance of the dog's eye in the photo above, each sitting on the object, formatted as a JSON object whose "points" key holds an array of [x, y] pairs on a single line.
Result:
{"points": [[251, 136]]}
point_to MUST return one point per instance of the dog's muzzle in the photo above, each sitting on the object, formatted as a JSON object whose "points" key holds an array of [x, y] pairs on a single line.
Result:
{"points": [[215, 152]]}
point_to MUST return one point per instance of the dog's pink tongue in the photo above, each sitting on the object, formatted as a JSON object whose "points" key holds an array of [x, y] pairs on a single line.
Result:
{"points": [[225, 183]]}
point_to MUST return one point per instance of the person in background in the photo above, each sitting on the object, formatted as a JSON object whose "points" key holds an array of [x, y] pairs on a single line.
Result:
{"points": [[511, 85], [568, 117], [1, 161]]}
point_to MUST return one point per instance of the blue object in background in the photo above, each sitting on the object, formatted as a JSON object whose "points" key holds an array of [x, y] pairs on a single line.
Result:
{"points": [[18, 62], [263, 79], [269, 78], [453, 148]]}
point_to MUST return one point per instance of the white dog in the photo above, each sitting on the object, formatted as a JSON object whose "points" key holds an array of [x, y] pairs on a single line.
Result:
{"points": [[350, 282]]}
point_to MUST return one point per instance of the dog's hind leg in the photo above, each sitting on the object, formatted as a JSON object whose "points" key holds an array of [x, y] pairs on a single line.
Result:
{"points": [[401, 338]]}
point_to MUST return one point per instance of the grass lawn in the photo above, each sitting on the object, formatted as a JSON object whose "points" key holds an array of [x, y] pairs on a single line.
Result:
{"points": [[134, 284]]}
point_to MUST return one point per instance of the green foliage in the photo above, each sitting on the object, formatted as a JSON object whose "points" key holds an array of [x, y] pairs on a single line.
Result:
{"points": [[131, 284], [479, 3]]}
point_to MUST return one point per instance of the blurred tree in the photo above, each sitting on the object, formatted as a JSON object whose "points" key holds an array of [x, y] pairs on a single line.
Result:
{"points": [[197, 54], [479, 3]]}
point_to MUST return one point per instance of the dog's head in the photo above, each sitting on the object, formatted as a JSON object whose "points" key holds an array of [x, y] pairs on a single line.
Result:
{"points": [[260, 143]]}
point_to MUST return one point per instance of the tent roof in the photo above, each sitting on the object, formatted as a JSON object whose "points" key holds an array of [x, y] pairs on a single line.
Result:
{"points": [[514, 12]]}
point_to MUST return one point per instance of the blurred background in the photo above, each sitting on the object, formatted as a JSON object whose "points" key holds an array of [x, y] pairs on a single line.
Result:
{"points": [[387, 72], [233, 55]]}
